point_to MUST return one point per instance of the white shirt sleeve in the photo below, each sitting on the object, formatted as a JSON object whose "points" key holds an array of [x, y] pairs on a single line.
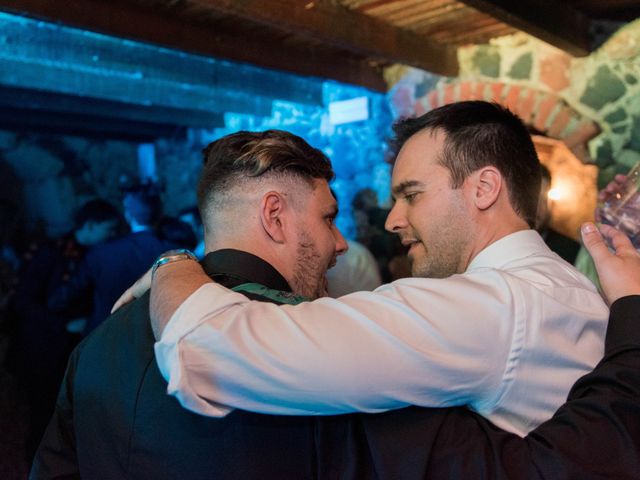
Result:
{"points": [[413, 342]]}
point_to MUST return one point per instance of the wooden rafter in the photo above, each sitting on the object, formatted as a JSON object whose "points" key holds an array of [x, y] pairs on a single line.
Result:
{"points": [[335, 25], [549, 20], [130, 20]]}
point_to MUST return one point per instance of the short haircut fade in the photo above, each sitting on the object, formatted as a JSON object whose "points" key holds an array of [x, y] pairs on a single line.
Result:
{"points": [[239, 156]]}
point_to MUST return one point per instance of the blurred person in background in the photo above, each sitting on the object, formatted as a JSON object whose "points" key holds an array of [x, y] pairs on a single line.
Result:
{"points": [[354, 271], [191, 216], [177, 232], [44, 337], [369, 219], [109, 268]]}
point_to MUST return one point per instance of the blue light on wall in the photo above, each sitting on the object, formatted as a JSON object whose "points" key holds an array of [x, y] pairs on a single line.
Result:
{"points": [[128, 82], [357, 149]]}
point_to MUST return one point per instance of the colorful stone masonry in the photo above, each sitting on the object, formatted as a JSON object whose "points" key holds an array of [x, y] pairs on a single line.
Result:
{"points": [[592, 104]]}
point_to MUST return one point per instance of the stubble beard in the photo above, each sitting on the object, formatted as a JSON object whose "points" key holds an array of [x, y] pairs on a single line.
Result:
{"points": [[430, 267], [309, 275], [442, 257]]}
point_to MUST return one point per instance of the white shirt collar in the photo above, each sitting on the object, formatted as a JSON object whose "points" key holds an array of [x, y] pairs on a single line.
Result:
{"points": [[517, 245]]}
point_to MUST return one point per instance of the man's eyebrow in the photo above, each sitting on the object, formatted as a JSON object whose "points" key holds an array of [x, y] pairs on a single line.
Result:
{"points": [[402, 187]]}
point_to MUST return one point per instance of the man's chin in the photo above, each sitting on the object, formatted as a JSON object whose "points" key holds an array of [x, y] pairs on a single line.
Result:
{"points": [[418, 269]]}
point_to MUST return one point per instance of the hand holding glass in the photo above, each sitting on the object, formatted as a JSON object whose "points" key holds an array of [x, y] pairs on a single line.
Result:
{"points": [[622, 209]]}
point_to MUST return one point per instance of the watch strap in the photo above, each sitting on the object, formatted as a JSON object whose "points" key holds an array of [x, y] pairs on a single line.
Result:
{"points": [[172, 256]]}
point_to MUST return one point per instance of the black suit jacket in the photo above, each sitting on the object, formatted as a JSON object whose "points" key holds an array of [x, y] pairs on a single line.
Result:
{"points": [[114, 420], [594, 435]]}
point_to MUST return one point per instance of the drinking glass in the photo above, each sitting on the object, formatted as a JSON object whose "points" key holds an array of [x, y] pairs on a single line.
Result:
{"points": [[622, 210]]}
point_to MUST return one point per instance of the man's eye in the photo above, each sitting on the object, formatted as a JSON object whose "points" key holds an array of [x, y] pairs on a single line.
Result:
{"points": [[410, 197]]}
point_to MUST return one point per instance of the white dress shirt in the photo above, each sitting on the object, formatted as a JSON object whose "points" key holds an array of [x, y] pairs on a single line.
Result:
{"points": [[508, 338]]}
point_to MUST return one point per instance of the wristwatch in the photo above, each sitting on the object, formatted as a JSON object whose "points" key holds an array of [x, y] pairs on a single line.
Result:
{"points": [[172, 256]]}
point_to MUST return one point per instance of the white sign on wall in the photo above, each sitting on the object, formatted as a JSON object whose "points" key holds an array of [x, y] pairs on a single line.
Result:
{"points": [[347, 111]]}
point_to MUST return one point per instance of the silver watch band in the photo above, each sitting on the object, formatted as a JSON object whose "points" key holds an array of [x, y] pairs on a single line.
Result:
{"points": [[172, 256]]}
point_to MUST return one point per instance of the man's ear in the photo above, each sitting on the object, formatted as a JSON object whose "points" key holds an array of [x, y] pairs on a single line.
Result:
{"points": [[487, 185], [272, 215]]}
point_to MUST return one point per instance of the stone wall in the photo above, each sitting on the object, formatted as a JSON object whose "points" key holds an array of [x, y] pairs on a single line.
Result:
{"points": [[358, 150], [47, 177], [591, 103]]}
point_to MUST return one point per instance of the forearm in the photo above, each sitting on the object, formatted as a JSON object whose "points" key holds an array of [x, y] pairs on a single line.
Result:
{"points": [[367, 353], [172, 284]]}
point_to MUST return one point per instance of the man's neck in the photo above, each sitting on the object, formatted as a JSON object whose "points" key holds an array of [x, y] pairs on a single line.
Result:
{"points": [[489, 234], [254, 247], [232, 267]]}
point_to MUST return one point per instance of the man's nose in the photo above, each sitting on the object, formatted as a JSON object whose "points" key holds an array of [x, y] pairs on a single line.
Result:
{"points": [[396, 218], [341, 243]]}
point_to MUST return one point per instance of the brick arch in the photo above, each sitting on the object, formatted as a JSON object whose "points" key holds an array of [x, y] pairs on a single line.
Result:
{"points": [[545, 112]]}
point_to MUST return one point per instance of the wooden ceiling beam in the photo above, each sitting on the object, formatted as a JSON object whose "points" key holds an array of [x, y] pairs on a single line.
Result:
{"points": [[128, 20], [335, 25], [37, 102], [47, 58], [20, 120], [551, 21]]}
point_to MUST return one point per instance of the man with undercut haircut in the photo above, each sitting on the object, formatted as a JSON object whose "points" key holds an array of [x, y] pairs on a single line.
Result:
{"points": [[270, 235]]}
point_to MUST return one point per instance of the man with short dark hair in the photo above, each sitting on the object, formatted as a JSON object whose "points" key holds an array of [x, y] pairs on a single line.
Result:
{"points": [[95, 222], [110, 267], [492, 318], [474, 135], [269, 230]]}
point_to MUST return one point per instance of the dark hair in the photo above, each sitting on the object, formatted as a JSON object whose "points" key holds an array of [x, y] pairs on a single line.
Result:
{"points": [[236, 157], [177, 233], [97, 211], [143, 204], [479, 134]]}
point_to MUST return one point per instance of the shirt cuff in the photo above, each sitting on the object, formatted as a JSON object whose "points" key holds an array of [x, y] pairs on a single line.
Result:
{"points": [[171, 353]]}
